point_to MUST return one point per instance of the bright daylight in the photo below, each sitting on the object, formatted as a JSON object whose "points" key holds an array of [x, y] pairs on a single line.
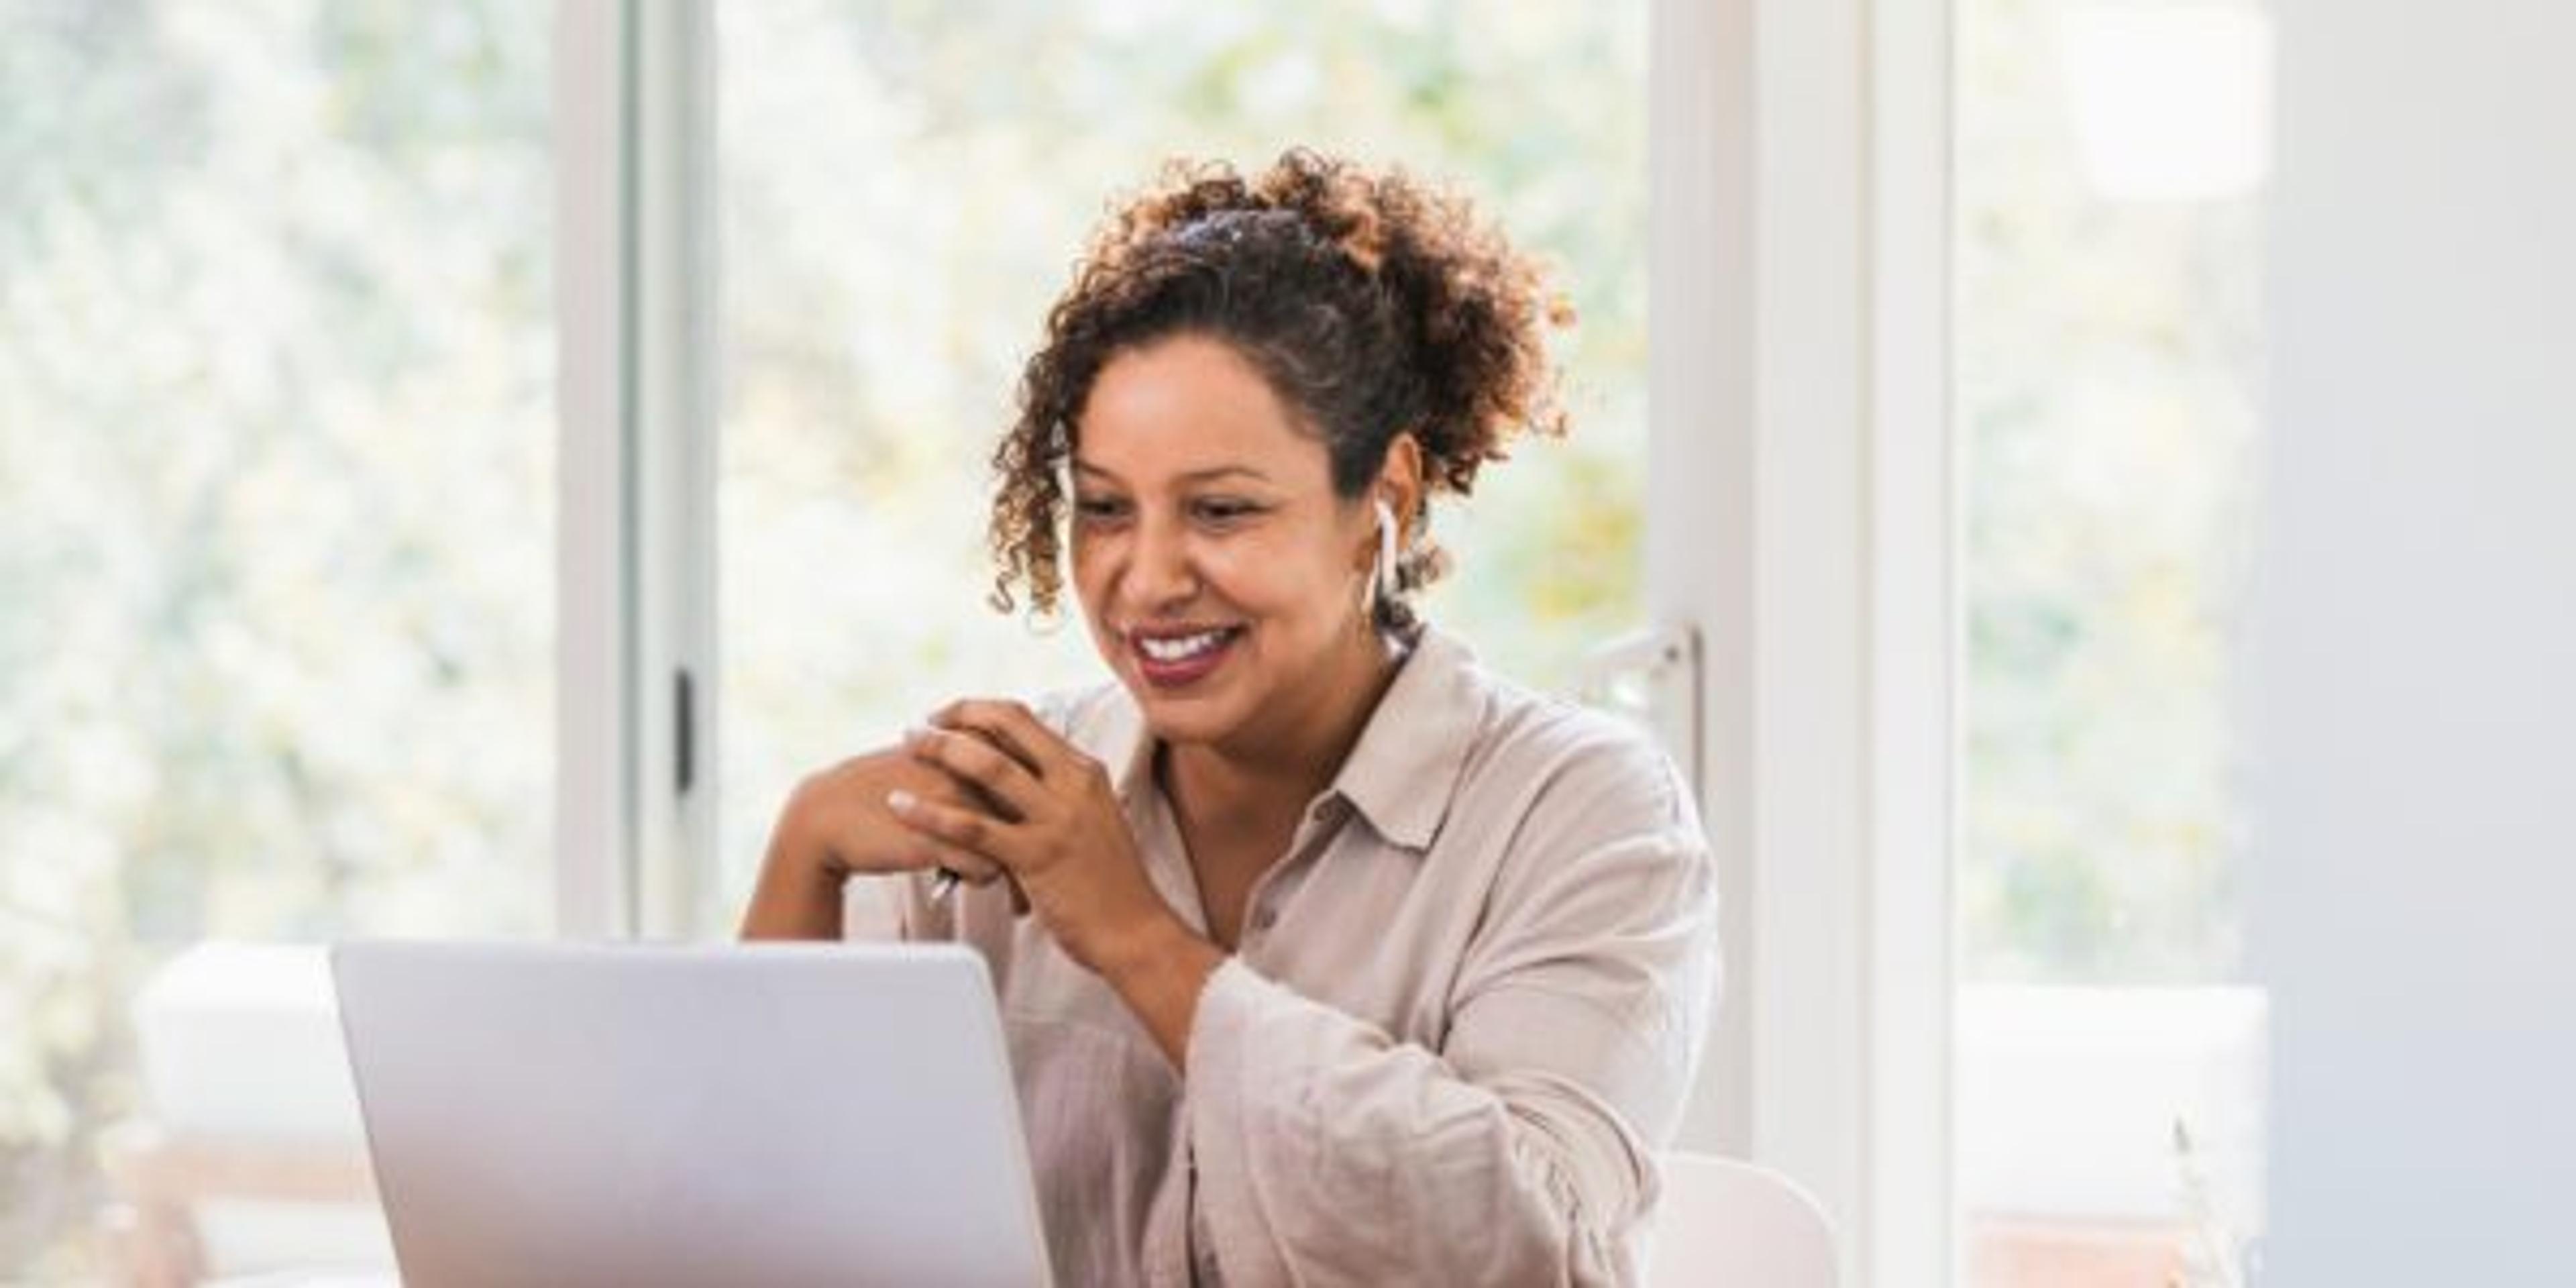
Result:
{"points": [[1809, 643]]}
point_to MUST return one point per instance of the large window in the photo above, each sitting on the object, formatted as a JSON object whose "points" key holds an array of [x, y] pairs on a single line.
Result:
{"points": [[277, 493], [276, 522], [277, 513], [2109, 162], [906, 187]]}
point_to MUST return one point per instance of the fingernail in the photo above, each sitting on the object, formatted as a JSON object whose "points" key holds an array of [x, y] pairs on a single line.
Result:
{"points": [[900, 800]]}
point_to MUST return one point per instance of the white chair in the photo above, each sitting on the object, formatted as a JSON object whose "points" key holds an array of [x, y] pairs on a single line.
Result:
{"points": [[1730, 1224], [251, 1159]]}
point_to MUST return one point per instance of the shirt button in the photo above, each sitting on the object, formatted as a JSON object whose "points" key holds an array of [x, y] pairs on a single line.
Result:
{"points": [[1265, 919]]}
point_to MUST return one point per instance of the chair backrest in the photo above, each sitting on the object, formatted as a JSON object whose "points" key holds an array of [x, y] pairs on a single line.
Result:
{"points": [[1729, 1224]]}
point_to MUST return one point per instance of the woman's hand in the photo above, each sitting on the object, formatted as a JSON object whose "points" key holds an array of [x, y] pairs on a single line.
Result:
{"points": [[1055, 825], [836, 826]]}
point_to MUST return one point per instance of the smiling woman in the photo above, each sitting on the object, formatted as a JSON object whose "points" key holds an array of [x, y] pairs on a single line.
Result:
{"points": [[1326, 954], [897, 220], [1216, 560]]}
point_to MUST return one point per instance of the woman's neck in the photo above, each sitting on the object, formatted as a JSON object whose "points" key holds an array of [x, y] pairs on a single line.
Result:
{"points": [[1263, 780]]}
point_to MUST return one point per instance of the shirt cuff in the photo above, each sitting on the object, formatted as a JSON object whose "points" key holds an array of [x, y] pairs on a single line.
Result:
{"points": [[1220, 1094]]}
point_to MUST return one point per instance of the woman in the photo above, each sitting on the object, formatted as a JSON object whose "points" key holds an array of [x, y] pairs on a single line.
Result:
{"points": [[1326, 956]]}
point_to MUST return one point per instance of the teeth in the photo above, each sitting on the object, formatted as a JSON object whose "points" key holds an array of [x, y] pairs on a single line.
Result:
{"points": [[1173, 650]]}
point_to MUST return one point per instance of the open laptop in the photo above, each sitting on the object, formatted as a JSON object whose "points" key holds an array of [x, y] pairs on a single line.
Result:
{"points": [[628, 1115]]}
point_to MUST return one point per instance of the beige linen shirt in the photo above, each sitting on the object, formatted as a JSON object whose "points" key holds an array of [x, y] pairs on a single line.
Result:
{"points": [[1460, 1022]]}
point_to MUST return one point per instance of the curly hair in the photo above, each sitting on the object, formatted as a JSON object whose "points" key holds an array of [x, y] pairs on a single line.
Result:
{"points": [[1372, 305]]}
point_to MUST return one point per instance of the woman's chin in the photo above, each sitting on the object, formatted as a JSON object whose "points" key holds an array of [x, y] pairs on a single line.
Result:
{"points": [[1182, 719]]}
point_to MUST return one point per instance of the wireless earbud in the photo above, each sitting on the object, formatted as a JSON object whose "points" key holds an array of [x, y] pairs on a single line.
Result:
{"points": [[1385, 572]]}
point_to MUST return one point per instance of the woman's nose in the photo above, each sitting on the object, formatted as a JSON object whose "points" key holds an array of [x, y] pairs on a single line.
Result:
{"points": [[1160, 572]]}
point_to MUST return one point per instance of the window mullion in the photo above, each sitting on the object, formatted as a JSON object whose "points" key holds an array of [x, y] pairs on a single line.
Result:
{"points": [[595, 817], [674, 354], [635, 372]]}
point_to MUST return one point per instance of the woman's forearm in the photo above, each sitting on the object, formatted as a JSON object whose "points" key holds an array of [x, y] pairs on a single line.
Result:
{"points": [[793, 900], [1160, 974]]}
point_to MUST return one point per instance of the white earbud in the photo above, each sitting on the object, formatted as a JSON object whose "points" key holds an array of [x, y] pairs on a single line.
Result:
{"points": [[1383, 576]]}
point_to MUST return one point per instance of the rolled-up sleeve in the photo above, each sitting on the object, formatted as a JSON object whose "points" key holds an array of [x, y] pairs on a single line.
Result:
{"points": [[1521, 1150]]}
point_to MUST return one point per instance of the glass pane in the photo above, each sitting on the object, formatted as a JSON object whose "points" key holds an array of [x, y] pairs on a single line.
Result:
{"points": [[276, 507], [897, 217], [2110, 162]]}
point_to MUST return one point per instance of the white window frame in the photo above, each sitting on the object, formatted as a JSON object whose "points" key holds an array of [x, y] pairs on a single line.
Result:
{"points": [[636, 379], [1915, 630], [1799, 521], [1799, 515]]}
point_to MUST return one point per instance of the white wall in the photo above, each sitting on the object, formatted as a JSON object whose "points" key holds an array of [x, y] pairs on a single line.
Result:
{"points": [[2414, 701]]}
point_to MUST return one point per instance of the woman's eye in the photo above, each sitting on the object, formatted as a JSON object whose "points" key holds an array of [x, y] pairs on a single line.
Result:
{"points": [[1095, 509], [1226, 511]]}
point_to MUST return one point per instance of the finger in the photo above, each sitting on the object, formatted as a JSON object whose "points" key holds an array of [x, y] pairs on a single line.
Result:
{"points": [[963, 832], [972, 869], [922, 853], [1012, 726], [993, 720], [990, 803], [978, 764], [932, 855]]}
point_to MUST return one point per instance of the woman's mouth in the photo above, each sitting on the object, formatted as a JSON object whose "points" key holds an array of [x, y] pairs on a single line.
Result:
{"points": [[1172, 660]]}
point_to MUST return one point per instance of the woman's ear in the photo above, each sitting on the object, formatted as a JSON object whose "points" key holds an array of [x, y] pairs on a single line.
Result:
{"points": [[1399, 482]]}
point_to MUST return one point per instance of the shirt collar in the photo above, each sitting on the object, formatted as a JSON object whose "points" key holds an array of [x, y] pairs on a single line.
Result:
{"points": [[1405, 768], [1403, 771]]}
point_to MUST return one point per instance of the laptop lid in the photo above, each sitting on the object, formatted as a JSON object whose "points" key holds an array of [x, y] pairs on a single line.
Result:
{"points": [[638, 1115]]}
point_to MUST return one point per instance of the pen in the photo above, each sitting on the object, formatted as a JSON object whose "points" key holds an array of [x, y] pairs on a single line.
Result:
{"points": [[943, 885]]}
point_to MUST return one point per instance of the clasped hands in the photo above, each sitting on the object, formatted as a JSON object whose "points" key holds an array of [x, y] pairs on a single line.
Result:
{"points": [[986, 790], [990, 793]]}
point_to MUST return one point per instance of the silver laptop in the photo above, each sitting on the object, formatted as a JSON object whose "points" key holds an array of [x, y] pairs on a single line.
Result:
{"points": [[628, 1115]]}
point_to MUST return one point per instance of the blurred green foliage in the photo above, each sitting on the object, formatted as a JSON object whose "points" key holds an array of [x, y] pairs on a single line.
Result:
{"points": [[276, 456], [2108, 358]]}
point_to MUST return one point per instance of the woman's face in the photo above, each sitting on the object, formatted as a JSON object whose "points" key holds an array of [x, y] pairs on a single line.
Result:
{"points": [[1219, 573]]}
